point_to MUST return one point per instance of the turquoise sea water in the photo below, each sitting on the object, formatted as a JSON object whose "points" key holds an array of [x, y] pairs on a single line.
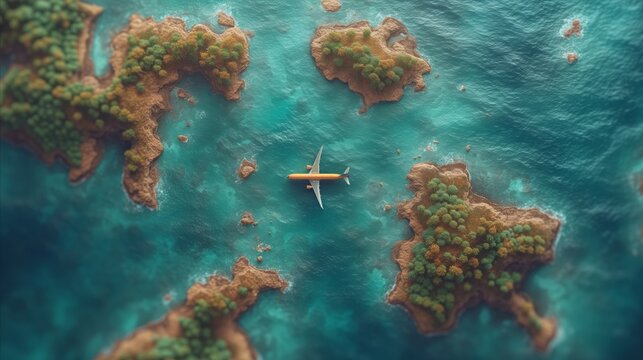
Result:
{"points": [[82, 266]]}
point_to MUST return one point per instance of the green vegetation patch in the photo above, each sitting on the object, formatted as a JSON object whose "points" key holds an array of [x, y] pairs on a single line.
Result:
{"points": [[47, 32], [455, 257], [347, 50], [43, 97], [197, 340]]}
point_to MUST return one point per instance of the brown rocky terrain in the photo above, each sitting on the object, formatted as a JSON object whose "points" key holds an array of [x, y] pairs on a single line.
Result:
{"points": [[575, 28], [246, 168], [331, 5], [225, 20]]}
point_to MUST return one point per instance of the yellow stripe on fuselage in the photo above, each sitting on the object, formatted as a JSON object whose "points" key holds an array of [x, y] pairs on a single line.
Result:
{"points": [[314, 177]]}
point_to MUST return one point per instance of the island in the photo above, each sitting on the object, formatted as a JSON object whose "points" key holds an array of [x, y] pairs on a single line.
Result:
{"points": [[377, 63], [247, 219], [571, 57], [465, 249], [205, 326], [246, 168], [52, 102], [575, 28], [185, 95]]}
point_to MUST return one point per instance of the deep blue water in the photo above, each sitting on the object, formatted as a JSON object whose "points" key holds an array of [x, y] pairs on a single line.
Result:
{"points": [[82, 266]]}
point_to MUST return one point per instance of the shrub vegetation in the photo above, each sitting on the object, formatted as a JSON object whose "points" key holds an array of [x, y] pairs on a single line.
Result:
{"points": [[457, 255], [45, 98], [346, 50], [196, 340]]}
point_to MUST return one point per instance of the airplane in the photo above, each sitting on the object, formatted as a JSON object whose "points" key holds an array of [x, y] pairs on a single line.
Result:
{"points": [[314, 177]]}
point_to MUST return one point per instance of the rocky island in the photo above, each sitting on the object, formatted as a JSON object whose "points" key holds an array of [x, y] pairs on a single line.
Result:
{"points": [[51, 101], [575, 29], [331, 5], [466, 249], [377, 63], [246, 168], [204, 327], [571, 57]]}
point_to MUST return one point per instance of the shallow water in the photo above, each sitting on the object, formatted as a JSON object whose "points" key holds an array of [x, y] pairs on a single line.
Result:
{"points": [[82, 266]]}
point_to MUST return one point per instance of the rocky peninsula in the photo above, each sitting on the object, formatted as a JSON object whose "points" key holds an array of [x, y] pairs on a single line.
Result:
{"points": [[206, 322], [54, 72], [465, 250], [376, 63]]}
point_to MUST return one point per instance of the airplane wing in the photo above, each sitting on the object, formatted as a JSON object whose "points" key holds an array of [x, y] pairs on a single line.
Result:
{"points": [[315, 168], [315, 185]]}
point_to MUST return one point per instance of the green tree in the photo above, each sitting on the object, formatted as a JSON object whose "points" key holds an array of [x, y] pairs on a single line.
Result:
{"points": [[129, 134]]}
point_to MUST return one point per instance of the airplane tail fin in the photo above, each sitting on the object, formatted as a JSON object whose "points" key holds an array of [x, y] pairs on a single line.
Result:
{"points": [[345, 175]]}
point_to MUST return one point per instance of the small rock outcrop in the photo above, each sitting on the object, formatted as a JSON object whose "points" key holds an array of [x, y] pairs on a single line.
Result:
{"points": [[572, 57], [574, 29], [225, 20], [247, 219], [246, 168], [185, 95], [331, 5]]}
